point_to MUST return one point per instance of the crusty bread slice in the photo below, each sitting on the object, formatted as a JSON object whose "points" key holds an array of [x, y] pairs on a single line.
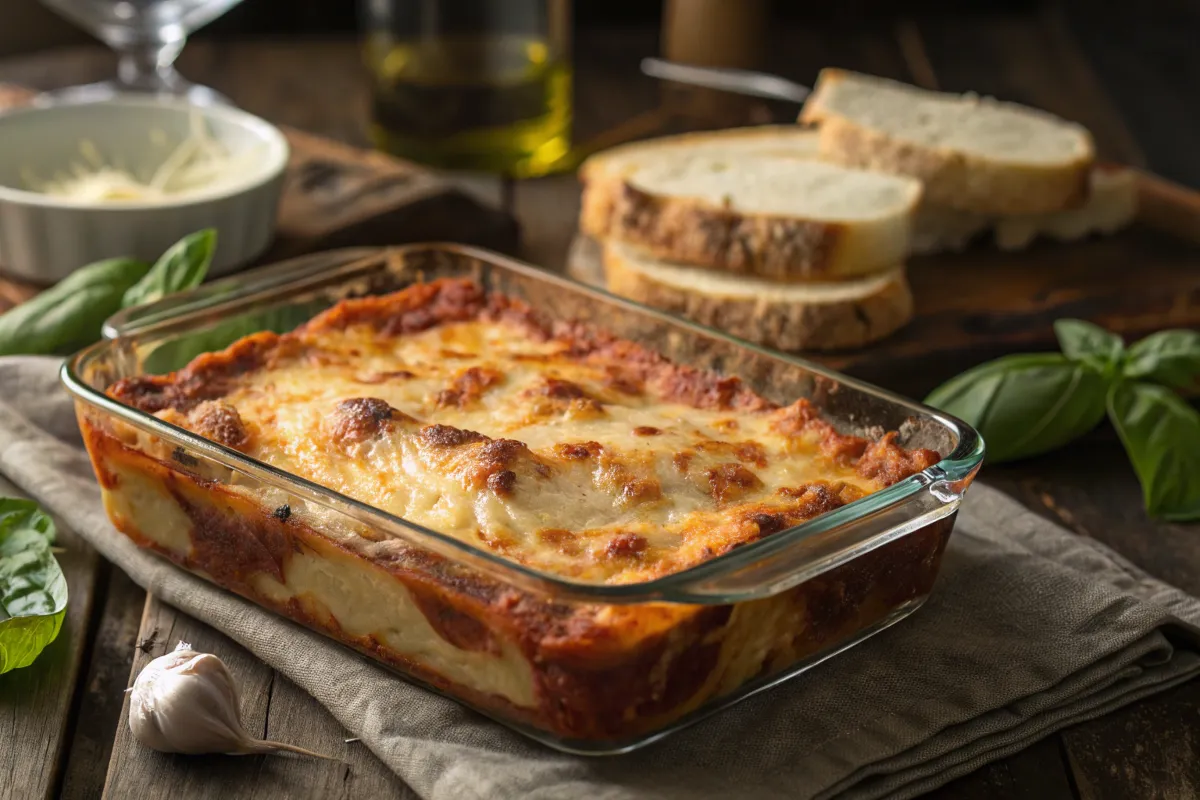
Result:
{"points": [[603, 173], [972, 153], [786, 219], [1111, 205], [800, 316]]}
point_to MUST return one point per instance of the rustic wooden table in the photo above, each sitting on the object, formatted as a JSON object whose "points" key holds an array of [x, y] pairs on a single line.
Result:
{"points": [[1135, 86]]}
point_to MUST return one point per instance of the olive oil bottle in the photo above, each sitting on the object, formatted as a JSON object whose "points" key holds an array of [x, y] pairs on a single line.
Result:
{"points": [[471, 84]]}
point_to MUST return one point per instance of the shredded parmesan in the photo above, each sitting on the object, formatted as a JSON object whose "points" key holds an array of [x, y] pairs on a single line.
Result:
{"points": [[200, 161]]}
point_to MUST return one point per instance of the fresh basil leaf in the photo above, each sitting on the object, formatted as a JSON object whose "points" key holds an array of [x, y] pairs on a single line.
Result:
{"points": [[33, 591], [176, 353], [183, 266], [1024, 405], [1089, 344], [1167, 357], [70, 314], [1161, 434]]}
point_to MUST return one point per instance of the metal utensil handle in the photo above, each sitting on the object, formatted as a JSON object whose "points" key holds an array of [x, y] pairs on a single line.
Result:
{"points": [[738, 81]]}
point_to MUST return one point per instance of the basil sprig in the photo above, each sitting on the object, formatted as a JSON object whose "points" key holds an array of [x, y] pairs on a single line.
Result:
{"points": [[1161, 434], [1025, 405], [71, 314], [183, 266], [33, 591]]}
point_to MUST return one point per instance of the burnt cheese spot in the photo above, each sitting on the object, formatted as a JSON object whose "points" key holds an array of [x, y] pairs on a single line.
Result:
{"points": [[728, 482], [562, 390], [646, 430], [682, 460], [887, 462], [637, 490], [467, 387], [629, 487], [623, 381], [751, 452], [768, 523], [578, 451], [626, 545], [562, 540], [556, 396], [219, 421], [492, 461], [449, 436], [843, 449], [502, 482], [359, 419], [793, 420], [817, 497], [282, 513]]}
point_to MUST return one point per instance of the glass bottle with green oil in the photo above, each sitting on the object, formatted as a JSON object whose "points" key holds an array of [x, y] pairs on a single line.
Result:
{"points": [[471, 84]]}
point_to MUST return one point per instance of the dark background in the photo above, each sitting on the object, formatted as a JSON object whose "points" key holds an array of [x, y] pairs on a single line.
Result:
{"points": [[319, 16]]}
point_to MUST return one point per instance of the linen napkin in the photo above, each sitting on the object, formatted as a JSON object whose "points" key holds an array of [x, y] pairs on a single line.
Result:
{"points": [[1029, 629]]}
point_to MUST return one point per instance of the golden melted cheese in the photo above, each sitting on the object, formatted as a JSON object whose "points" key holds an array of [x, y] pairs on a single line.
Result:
{"points": [[508, 441]]}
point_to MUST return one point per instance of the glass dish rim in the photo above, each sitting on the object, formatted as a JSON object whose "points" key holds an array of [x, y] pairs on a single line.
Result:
{"points": [[957, 466]]}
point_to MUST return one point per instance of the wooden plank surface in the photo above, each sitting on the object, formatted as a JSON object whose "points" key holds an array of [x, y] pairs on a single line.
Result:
{"points": [[110, 659], [1036, 773], [1147, 750], [36, 701], [272, 707]]}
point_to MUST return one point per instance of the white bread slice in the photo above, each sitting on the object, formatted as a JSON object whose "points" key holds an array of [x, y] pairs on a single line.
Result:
{"points": [[800, 316], [786, 219], [603, 173], [972, 153], [1111, 205]]}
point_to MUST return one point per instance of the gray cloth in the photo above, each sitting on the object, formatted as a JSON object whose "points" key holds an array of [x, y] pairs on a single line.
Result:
{"points": [[1029, 629]]}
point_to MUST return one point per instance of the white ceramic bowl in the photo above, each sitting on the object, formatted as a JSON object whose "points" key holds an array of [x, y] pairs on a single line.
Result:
{"points": [[44, 238]]}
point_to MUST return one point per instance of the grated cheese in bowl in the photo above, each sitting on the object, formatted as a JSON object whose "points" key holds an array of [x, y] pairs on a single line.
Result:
{"points": [[199, 162]]}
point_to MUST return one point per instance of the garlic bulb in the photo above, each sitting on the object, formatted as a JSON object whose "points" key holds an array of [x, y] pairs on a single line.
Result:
{"points": [[186, 702]]}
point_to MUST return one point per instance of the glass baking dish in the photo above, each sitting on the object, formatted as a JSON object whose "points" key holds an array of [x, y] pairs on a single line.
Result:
{"points": [[825, 584]]}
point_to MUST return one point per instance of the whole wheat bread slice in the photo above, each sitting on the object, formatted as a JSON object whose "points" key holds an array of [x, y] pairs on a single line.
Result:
{"points": [[971, 153], [787, 219], [800, 316]]}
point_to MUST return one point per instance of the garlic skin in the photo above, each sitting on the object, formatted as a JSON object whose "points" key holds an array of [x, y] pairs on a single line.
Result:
{"points": [[187, 702]]}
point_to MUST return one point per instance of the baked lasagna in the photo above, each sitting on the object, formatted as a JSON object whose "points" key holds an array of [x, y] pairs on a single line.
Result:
{"points": [[546, 443]]}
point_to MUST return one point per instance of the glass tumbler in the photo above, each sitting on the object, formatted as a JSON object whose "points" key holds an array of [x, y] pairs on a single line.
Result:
{"points": [[147, 35], [471, 84]]}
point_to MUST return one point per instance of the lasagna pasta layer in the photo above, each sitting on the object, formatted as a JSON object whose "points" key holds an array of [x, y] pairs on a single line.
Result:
{"points": [[551, 445]]}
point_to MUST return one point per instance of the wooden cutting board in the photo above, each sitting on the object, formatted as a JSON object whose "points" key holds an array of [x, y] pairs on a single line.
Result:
{"points": [[982, 303], [335, 195]]}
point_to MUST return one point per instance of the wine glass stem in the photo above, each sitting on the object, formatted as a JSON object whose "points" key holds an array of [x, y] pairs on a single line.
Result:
{"points": [[150, 65]]}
